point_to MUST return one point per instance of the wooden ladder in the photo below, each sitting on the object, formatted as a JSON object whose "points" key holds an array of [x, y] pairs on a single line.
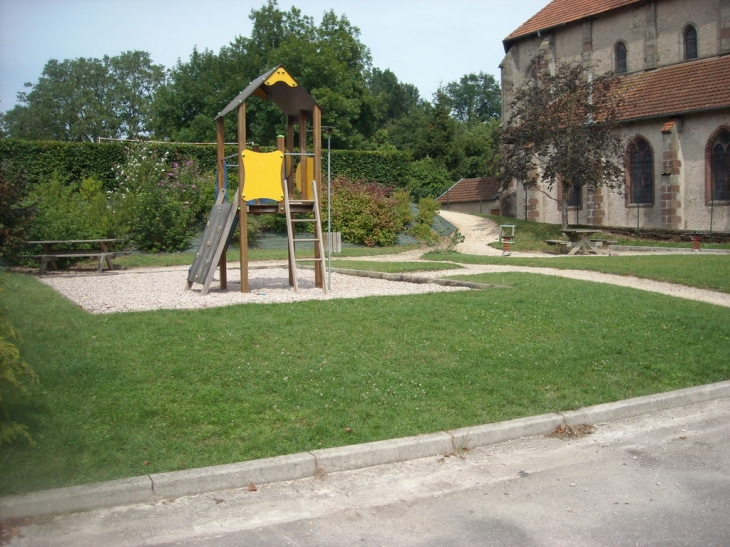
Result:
{"points": [[291, 222]]}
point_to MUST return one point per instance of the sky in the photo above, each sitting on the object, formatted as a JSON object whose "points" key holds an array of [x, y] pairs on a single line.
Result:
{"points": [[426, 43]]}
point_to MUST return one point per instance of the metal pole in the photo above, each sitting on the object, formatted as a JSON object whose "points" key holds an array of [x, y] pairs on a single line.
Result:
{"points": [[329, 210]]}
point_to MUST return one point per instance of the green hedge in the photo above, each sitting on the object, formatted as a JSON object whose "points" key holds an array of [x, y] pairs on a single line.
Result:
{"points": [[73, 161], [390, 168]]}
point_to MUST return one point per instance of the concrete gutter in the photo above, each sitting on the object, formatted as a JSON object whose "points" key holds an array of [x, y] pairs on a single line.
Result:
{"points": [[164, 486]]}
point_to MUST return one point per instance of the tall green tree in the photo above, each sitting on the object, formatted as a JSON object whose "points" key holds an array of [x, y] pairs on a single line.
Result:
{"points": [[562, 130], [85, 98], [474, 98], [328, 60]]}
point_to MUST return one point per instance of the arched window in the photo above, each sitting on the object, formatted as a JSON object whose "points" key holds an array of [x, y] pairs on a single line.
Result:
{"points": [[720, 167], [641, 172], [690, 42], [621, 64]]}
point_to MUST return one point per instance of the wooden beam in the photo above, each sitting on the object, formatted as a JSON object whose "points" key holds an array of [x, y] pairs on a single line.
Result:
{"points": [[220, 155], [304, 184]]}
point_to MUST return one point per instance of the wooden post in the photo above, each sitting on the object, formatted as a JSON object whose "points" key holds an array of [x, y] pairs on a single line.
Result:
{"points": [[306, 192], [289, 147], [242, 208], [220, 155]]}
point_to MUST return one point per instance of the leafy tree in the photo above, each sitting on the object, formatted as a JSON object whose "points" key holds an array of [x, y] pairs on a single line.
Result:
{"points": [[438, 141], [474, 98], [561, 130], [394, 99], [479, 144], [85, 98], [328, 60]]}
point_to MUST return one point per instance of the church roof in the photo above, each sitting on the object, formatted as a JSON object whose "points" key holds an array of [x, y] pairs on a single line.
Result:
{"points": [[468, 190], [561, 12], [692, 86]]}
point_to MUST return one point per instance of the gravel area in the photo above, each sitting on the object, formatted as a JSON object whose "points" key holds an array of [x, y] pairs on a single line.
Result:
{"points": [[164, 288]]}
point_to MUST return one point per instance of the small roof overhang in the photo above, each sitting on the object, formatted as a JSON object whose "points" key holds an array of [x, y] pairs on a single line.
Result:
{"points": [[278, 86]]}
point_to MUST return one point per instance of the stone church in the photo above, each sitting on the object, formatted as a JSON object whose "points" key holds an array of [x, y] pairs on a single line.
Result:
{"points": [[674, 56]]}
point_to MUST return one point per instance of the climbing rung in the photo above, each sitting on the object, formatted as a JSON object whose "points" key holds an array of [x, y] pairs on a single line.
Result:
{"points": [[299, 240], [304, 220], [308, 259]]}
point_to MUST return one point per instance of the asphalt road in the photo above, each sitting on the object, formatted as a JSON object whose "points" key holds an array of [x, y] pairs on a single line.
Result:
{"points": [[661, 479]]}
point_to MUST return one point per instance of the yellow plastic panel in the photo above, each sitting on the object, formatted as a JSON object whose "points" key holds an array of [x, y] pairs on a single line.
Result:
{"points": [[281, 75], [310, 173], [262, 172]]}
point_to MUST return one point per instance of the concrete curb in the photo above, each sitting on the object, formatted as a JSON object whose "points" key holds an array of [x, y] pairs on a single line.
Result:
{"points": [[162, 486]]}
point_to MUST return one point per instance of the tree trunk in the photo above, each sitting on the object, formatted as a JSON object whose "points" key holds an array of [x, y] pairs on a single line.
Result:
{"points": [[564, 206]]}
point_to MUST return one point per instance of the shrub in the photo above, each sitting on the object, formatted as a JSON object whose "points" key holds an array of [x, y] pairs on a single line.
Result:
{"points": [[16, 215], [62, 212], [367, 213], [14, 374], [168, 200]]}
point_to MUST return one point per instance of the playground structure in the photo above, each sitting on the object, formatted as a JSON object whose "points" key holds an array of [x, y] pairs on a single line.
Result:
{"points": [[267, 183]]}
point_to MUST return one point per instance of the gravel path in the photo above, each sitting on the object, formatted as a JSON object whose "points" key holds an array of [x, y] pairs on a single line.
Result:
{"points": [[164, 288]]}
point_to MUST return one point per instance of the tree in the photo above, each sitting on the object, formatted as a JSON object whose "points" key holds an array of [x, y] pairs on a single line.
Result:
{"points": [[82, 99], [474, 98], [328, 60], [562, 129]]}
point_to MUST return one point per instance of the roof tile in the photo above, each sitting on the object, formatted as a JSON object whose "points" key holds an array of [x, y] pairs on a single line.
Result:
{"points": [[677, 89], [559, 12], [468, 190]]}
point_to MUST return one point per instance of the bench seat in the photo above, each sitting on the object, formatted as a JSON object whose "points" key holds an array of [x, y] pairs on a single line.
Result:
{"points": [[564, 244]]}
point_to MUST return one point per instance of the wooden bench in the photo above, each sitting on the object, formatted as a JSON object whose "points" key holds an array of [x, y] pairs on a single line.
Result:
{"points": [[564, 245], [605, 243], [101, 250]]}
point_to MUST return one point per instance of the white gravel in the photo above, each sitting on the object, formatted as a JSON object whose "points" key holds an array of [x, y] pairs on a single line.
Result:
{"points": [[164, 288]]}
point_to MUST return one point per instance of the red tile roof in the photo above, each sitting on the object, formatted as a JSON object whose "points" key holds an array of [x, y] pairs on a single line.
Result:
{"points": [[560, 12], [677, 89], [468, 190]]}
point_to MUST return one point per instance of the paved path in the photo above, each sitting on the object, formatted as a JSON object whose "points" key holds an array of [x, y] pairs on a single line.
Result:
{"points": [[658, 479]]}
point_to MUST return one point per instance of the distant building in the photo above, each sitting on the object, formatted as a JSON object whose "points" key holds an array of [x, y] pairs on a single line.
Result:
{"points": [[674, 57], [479, 195]]}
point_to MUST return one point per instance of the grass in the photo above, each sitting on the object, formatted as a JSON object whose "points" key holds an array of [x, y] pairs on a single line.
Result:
{"points": [[143, 260], [701, 271], [130, 394], [531, 236]]}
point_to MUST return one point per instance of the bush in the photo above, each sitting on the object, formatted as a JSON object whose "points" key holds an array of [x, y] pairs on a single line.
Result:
{"points": [[367, 213], [14, 374], [16, 215], [168, 200]]}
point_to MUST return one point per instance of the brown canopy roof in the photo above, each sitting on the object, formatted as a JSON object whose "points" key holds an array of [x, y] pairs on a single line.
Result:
{"points": [[278, 86]]}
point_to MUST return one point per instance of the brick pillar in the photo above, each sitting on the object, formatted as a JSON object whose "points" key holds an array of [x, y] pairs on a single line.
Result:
{"points": [[669, 191], [650, 32], [724, 37], [595, 211]]}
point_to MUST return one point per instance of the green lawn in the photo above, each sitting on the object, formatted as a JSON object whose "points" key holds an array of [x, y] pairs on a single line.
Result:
{"points": [[129, 394], [702, 271]]}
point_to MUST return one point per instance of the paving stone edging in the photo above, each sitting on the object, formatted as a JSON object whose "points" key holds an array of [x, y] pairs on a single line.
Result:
{"points": [[161, 486]]}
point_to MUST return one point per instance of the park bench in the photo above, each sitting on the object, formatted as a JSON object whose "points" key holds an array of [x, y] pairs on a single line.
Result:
{"points": [[605, 243], [564, 244], [91, 248]]}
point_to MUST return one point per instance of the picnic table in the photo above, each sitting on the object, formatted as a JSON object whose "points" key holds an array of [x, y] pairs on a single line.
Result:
{"points": [[581, 240], [74, 248]]}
